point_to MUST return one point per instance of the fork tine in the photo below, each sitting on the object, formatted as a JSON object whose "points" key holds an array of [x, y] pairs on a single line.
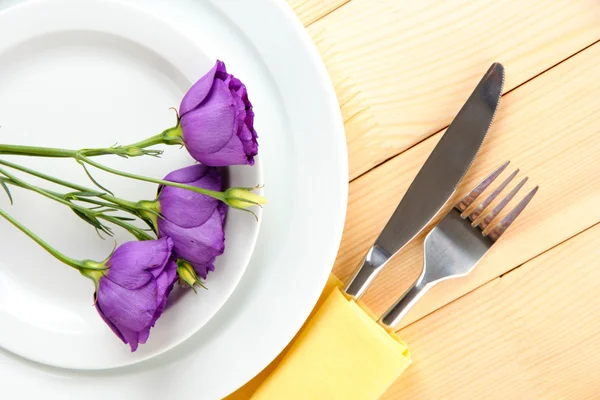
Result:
{"points": [[501, 227], [500, 206], [477, 212], [466, 201]]}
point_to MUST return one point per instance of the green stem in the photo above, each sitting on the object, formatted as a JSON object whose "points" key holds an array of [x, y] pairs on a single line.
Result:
{"points": [[151, 141], [77, 264], [36, 151], [91, 200], [148, 221], [139, 233], [169, 136], [44, 193], [126, 204], [46, 177], [210, 193]]}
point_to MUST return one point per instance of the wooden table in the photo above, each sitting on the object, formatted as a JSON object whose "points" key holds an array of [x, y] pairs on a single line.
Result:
{"points": [[526, 323]]}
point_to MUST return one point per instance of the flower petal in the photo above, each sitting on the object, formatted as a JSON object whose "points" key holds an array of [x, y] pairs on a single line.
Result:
{"points": [[142, 337], [129, 264], [248, 139], [231, 154], [127, 309], [210, 126], [250, 119], [199, 245], [184, 207], [204, 269], [189, 174], [221, 71], [109, 322], [164, 284], [133, 338], [133, 294], [198, 91]]}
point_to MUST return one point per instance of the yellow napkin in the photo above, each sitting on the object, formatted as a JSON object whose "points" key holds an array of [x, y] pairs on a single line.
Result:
{"points": [[340, 353]]}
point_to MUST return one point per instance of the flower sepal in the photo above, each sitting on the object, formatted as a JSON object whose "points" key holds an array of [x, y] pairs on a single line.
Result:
{"points": [[243, 198], [149, 211], [187, 275], [94, 271], [174, 135]]}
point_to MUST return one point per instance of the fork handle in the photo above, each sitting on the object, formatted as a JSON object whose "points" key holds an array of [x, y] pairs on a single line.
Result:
{"points": [[395, 313]]}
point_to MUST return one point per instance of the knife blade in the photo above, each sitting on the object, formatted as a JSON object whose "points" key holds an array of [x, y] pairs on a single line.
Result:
{"points": [[437, 180]]}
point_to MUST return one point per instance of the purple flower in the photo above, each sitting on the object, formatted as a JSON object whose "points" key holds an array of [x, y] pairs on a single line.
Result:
{"points": [[192, 220], [132, 295], [217, 120]]}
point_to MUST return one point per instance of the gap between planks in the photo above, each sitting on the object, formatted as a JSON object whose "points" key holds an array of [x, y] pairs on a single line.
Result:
{"points": [[443, 128], [504, 192], [400, 68], [506, 339], [329, 12], [547, 128], [512, 270], [311, 11]]}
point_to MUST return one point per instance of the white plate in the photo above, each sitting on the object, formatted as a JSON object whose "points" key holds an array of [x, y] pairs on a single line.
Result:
{"points": [[81, 74], [304, 157]]}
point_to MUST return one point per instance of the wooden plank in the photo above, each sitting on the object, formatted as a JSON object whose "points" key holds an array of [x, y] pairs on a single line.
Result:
{"points": [[402, 69], [532, 334], [310, 11], [549, 128]]}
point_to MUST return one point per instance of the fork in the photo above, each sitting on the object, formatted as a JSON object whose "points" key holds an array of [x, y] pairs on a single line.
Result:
{"points": [[455, 246]]}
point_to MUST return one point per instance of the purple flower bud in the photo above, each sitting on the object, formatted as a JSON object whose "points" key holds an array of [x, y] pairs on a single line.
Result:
{"points": [[132, 295], [217, 120], [192, 220]]}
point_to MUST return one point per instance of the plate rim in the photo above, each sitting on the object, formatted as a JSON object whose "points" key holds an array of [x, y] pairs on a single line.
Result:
{"points": [[288, 13], [335, 124]]}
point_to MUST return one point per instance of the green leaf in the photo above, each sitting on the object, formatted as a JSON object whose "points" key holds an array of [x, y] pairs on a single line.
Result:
{"points": [[94, 222], [124, 218], [89, 193], [7, 191], [251, 212], [95, 181], [105, 209]]}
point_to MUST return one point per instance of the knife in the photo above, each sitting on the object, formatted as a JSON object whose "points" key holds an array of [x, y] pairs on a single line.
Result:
{"points": [[437, 180]]}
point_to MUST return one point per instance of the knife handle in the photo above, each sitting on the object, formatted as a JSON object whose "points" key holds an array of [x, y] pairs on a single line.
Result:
{"points": [[374, 261]]}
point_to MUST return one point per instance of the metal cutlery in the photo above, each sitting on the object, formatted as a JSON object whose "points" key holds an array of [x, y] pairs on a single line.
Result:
{"points": [[437, 180], [455, 246]]}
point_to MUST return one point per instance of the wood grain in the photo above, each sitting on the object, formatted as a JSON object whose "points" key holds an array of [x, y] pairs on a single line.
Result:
{"points": [[402, 69], [549, 128], [524, 325], [310, 11], [532, 334]]}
